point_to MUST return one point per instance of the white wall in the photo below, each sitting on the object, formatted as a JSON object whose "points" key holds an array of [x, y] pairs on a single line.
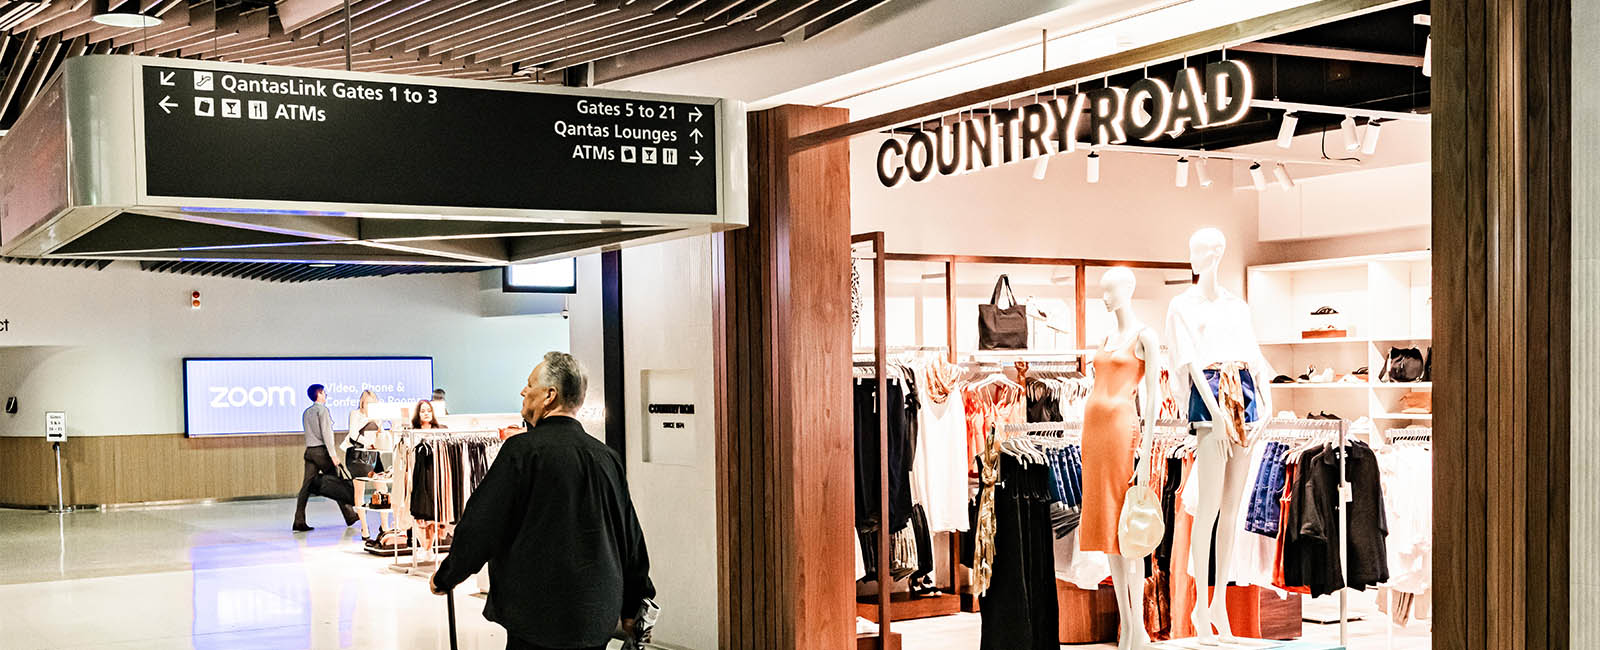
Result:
{"points": [[1585, 462], [107, 346], [667, 298]]}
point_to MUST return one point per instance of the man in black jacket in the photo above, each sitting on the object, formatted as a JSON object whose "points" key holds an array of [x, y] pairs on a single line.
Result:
{"points": [[554, 520]]}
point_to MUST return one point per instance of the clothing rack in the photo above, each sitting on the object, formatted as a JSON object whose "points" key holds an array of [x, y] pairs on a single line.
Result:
{"points": [[417, 437], [1339, 430], [880, 362]]}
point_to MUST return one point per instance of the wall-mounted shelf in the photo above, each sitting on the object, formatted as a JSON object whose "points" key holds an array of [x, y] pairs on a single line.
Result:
{"points": [[1383, 301], [1403, 416]]}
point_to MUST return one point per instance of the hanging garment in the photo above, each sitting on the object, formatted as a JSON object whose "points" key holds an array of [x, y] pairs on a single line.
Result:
{"points": [[983, 550], [1266, 490], [1314, 541], [990, 406], [1408, 501], [939, 478], [866, 455], [1110, 438], [1019, 609]]}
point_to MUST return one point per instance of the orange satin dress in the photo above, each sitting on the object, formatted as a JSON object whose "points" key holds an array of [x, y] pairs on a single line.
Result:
{"points": [[1110, 434]]}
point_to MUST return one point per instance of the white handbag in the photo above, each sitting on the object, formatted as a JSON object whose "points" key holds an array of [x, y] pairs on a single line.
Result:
{"points": [[1140, 529]]}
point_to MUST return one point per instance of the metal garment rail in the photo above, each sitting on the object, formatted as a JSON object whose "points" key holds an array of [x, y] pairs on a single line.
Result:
{"points": [[1341, 430]]}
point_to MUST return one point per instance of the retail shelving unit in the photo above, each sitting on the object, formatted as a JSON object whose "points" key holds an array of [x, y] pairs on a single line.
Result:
{"points": [[1383, 301]]}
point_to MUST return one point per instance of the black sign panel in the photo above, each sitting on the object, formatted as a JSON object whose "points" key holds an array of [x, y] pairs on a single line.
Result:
{"points": [[234, 135]]}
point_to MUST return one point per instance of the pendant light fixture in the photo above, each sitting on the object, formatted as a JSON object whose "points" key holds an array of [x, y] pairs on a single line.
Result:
{"points": [[1282, 174], [1092, 170], [1182, 179], [126, 16], [1258, 177], [1286, 130], [1348, 126], [1043, 166], [1201, 172], [1369, 140]]}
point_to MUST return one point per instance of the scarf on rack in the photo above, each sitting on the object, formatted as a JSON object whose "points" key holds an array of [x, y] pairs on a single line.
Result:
{"points": [[943, 379], [983, 555]]}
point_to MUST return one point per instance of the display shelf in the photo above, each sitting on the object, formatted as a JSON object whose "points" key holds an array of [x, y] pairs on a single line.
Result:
{"points": [[1346, 339], [1403, 416], [1333, 385], [1426, 385]]}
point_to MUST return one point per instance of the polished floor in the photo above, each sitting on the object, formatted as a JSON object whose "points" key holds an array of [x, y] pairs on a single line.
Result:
{"points": [[232, 576], [220, 576]]}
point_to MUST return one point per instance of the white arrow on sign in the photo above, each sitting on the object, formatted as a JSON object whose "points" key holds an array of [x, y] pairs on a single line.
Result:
{"points": [[166, 78], [696, 134], [167, 104], [694, 115], [698, 159]]}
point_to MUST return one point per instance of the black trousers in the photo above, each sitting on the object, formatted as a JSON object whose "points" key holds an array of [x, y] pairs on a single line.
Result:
{"points": [[1020, 611], [317, 462], [514, 643]]}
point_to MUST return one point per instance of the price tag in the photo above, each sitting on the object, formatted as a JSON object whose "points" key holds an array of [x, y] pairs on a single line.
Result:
{"points": [[1345, 493]]}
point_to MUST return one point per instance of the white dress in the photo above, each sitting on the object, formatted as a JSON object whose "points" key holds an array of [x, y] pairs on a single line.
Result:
{"points": [[939, 472]]}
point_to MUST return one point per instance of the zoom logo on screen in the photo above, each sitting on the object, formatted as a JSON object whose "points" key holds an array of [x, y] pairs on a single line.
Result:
{"points": [[267, 395], [237, 397]]}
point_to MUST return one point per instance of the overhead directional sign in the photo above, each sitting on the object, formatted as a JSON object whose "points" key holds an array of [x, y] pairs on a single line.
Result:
{"points": [[274, 134]]}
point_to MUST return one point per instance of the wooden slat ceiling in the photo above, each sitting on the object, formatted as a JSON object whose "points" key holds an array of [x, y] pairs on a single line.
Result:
{"points": [[502, 40], [294, 272]]}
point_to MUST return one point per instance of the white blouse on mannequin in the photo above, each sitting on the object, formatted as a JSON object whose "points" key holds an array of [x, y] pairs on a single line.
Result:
{"points": [[1203, 332]]}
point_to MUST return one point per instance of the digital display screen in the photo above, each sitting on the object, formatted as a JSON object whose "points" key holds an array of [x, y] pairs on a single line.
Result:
{"points": [[556, 276], [268, 395]]}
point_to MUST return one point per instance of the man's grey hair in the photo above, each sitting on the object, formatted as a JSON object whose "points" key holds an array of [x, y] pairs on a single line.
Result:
{"points": [[563, 373]]}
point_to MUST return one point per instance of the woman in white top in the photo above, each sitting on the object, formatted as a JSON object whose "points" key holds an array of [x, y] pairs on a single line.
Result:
{"points": [[365, 432]]}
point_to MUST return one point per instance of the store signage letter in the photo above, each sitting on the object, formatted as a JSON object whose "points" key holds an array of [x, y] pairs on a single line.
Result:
{"points": [[1146, 111]]}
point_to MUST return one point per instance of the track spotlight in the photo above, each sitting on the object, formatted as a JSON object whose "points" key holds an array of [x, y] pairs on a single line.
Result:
{"points": [[1201, 173], [1093, 168], [1043, 166], [1286, 130], [1348, 127], [1182, 178], [1282, 174], [1258, 177], [1369, 140], [1427, 58]]}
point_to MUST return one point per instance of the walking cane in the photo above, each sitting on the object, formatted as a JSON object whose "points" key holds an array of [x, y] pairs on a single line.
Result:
{"points": [[450, 604]]}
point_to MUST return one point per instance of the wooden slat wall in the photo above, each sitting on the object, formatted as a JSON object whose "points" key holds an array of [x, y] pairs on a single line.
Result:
{"points": [[785, 436], [1502, 282], [133, 469]]}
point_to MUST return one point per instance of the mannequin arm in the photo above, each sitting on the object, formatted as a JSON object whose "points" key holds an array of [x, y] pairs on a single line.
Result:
{"points": [[1149, 399]]}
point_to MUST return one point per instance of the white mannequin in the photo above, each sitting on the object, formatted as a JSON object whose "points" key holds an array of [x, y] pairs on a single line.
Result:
{"points": [[1127, 574], [1208, 324]]}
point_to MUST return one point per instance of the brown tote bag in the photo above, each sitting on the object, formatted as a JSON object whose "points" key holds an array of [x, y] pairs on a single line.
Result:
{"points": [[1002, 328]]}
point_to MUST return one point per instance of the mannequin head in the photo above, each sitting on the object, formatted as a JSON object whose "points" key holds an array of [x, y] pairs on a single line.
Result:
{"points": [[1205, 250], [1116, 288]]}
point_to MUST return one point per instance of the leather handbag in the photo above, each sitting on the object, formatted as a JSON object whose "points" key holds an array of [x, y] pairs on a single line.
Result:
{"points": [[1002, 328], [362, 462], [1404, 365], [1140, 529]]}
